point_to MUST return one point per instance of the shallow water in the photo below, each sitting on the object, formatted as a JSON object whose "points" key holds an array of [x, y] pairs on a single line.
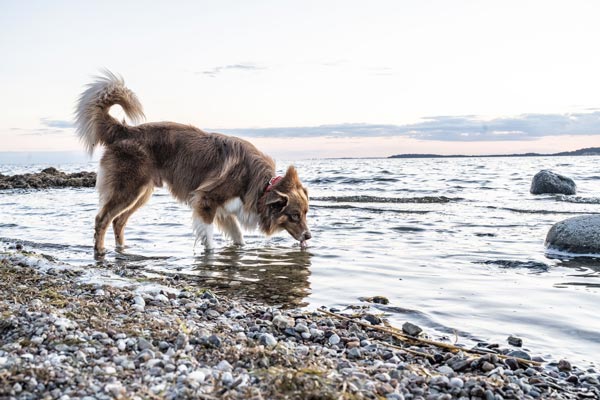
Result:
{"points": [[457, 245]]}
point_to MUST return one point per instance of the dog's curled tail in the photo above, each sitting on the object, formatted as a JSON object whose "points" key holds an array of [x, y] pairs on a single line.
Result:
{"points": [[92, 121]]}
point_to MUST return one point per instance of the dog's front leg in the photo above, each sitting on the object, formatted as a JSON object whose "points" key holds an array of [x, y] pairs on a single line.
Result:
{"points": [[204, 233]]}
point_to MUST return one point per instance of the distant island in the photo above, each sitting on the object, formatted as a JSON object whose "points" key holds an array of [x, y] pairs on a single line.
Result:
{"points": [[590, 151]]}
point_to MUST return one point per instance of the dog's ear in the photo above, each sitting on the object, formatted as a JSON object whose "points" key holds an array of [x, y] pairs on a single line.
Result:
{"points": [[291, 173], [277, 200]]}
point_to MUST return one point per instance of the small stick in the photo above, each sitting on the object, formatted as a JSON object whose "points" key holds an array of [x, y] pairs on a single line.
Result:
{"points": [[396, 333]]}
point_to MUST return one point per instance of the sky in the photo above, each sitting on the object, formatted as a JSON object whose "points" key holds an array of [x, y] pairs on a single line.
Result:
{"points": [[311, 79]]}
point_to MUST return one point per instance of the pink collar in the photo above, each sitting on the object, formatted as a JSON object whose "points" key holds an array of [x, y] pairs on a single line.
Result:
{"points": [[272, 182]]}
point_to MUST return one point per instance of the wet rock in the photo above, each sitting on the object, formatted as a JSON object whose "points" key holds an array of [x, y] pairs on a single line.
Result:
{"points": [[515, 341], [549, 182], [48, 178], [512, 363], [411, 329], [577, 235], [372, 319], [564, 365], [376, 299]]}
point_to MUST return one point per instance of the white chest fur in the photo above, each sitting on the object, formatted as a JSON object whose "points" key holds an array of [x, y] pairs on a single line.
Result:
{"points": [[235, 207]]}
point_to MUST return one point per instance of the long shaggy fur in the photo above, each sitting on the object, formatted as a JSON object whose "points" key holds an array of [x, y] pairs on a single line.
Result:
{"points": [[223, 179], [94, 103]]}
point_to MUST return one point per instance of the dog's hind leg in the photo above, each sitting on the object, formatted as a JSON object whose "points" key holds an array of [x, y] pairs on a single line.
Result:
{"points": [[123, 180], [111, 209], [120, 221], [231, 227]]}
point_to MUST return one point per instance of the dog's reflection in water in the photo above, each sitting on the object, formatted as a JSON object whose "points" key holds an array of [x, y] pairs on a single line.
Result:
{"points": [[271, 275]]}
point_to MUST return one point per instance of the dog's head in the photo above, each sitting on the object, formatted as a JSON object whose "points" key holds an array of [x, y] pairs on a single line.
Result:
{"points": [[286, 206]]}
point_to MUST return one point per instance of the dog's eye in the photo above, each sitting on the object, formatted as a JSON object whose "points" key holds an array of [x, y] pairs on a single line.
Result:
{"points": [[294, 217]]}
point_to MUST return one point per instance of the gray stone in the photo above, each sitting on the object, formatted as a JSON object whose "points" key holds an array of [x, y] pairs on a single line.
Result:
{"points": [[268, 340], [519, 354], [547, 181], [143, 344], [214, 341], [577, 235], [564, 365], [282, 322], [354, 353], [334, 339], [444, 369], [515, 341], [456, 382], [411, 329]]}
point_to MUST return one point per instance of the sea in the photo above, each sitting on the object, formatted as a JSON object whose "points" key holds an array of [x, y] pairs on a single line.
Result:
{"points": [[457, 245]]}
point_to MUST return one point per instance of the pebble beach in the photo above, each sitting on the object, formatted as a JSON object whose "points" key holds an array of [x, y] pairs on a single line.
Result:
{"points": [[62, 337]]}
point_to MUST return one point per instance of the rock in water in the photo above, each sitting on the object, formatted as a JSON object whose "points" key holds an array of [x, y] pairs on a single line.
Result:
{"points": [[577, 235], [547, 181]]}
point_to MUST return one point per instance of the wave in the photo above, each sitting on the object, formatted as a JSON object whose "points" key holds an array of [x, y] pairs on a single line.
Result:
{"points": [[395, 200], [535, 266], [349, 180], [369, 209], [578, 199], [525, 211]]}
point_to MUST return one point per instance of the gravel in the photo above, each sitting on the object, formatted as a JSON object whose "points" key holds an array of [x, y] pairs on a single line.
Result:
{"points": [[64, 339]]}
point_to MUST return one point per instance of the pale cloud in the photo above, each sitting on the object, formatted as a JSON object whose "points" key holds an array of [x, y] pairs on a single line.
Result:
{"points": [[213, 72], [448, 128], [56, 123]]}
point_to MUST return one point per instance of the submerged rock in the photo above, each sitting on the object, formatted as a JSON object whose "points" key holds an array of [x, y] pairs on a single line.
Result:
{"points": [[547, 181], [576, 235]]}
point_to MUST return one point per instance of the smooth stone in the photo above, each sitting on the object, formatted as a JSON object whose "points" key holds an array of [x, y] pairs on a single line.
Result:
{"points": [[550, 182], [139, 300], [576, 235], [282, 322], [519, 354], [515, 341], [334, 339], [224, 366], [444, 369], [372, 319], [212, 314], [456, 382], [180, 342], [411, 329], [214, 340], [354, 353], [196, 376], [143, 344], [268, 340], [564, 365]]}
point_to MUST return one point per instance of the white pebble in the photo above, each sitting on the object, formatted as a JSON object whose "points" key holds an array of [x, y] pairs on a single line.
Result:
{"points": [[196, 376]]}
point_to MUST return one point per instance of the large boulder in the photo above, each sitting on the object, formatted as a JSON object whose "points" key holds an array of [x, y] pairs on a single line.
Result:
{"points": [[576, 235], [547, 181]]}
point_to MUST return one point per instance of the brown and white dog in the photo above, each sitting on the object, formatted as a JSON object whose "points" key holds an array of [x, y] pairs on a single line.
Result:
{"points": [[225, 180]]}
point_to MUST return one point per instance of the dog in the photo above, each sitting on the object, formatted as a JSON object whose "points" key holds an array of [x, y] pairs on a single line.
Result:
{"points": [[227, 181]]}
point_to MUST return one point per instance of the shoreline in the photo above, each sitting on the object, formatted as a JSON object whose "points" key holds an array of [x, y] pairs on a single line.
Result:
{"points": [[61, 336]]}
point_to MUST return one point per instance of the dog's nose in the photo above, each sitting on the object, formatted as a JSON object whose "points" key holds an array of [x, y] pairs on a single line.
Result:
{"points": [[307, 235]]}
